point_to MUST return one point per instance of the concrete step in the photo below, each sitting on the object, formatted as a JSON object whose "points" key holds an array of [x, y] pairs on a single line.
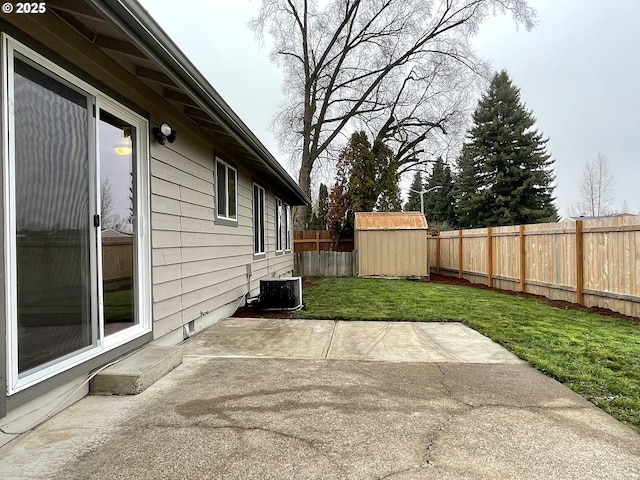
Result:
{"points": [[134, 374]]}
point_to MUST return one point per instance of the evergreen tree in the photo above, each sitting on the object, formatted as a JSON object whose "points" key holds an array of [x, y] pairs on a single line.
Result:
{"points": [[312, 221], [413, 203], [466, 192], [363, 183], [323, 207], [446, 207], [318, 216], [439, 204], [373, 184], [366, 180], [388, 179], [505, 173]]}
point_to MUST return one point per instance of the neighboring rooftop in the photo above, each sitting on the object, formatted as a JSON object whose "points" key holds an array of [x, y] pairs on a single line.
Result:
{"points": [[601, 217]]}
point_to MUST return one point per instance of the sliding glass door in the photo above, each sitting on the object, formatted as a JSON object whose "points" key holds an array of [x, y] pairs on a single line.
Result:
{"points": [[77, 257]]}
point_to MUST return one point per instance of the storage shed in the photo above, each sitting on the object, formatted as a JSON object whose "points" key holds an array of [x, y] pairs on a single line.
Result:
{"points": [[391, 244]]}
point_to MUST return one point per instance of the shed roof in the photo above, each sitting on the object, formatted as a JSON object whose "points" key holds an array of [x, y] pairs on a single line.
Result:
{"points": [[390, 221]]}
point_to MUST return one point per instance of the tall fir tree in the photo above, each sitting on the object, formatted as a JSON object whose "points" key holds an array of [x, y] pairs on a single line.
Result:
{"points": [[439, 204], [505, 175], [323, 206], [363, 182], [388, 178], [467, 192], [413, 202], [373, 183], [318, 215]]}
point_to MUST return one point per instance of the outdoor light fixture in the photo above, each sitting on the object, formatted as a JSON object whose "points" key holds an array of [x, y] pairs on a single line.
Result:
{"points": [[124, 147], [164, 133], [422, 195]]}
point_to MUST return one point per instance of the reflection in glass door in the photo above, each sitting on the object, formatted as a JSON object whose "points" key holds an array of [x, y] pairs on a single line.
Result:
{"points": [[116, 159], [53, 235]]}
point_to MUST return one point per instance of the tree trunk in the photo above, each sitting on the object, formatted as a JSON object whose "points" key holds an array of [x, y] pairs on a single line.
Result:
{"points": [[304, 180]]}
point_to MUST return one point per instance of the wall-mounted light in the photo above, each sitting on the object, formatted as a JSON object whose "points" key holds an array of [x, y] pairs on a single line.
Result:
{"points": [[164, 133], [124, 146]]}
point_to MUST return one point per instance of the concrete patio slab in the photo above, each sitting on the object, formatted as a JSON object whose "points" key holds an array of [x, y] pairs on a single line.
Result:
{"points": [[318, 418], [268, 338], [414, 342], [337, 340]]}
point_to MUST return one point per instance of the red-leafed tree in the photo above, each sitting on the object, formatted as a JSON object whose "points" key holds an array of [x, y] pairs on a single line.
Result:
{"points": [[339, 197]]}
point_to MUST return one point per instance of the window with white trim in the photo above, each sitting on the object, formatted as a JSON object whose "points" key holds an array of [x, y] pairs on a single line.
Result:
{"points": [[283, 226], [287, 240], [279, 225], [258, 219], [226, 191]]}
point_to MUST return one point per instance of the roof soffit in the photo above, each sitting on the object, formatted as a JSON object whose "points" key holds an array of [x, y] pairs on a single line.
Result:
{"points": [[124, 32]]}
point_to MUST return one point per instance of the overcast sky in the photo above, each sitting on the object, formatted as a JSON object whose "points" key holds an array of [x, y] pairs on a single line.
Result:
{"points": [[578, 71]]}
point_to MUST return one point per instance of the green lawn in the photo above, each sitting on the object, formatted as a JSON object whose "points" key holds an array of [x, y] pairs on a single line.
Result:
{"points": [[118, 306], [596, 356]]}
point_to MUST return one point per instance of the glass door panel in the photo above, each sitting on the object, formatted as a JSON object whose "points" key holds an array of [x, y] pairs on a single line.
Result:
{"points": [[52, 219], [117, 148]]}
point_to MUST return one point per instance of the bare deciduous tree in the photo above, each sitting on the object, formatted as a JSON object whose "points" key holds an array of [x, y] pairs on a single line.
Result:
{"points": [[399, 68], [596, 189], [107, 203], [109, 217]]}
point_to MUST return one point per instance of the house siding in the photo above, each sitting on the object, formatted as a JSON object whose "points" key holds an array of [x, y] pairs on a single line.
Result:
{"points": [[199, 269]]}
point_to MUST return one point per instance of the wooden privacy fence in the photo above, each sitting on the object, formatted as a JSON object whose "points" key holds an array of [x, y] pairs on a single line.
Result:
{"points": [[319, 241], [594, 263], [117, 261], [325, 264]]}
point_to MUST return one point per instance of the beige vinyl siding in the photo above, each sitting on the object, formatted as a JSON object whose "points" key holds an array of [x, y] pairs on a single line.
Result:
{"points": [[200, 266], [199, 269], [274, 264]]}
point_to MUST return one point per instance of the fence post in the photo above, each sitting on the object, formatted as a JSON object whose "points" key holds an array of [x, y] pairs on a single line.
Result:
{"points": [[489, 258], [579, 263], [460, 265], [438, 254], [317, 241], [523, 256], [354, 263]]}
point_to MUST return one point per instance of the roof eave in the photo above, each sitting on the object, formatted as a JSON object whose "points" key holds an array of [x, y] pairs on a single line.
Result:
{"points": [[149, 37]]}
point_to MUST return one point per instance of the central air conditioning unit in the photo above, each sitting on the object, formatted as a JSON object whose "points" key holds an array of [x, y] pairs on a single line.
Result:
{"points": [[281, 293]]}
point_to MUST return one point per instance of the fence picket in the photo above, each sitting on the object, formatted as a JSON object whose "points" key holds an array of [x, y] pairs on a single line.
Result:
{"points": [[324, 264]]}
